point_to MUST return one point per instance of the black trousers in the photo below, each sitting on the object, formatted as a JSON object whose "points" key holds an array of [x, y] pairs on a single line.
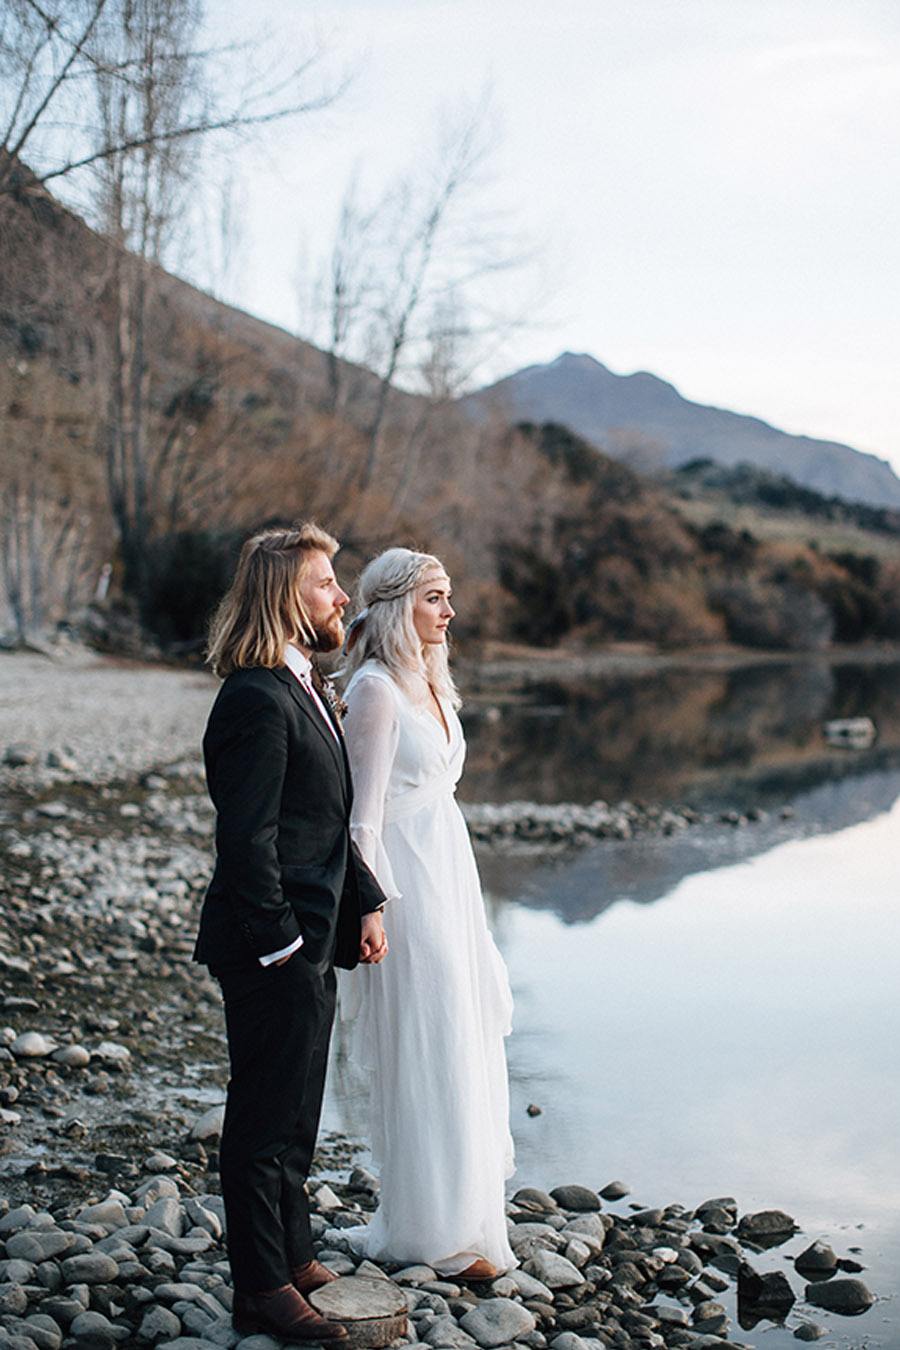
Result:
{"points": [[278, 1020]]}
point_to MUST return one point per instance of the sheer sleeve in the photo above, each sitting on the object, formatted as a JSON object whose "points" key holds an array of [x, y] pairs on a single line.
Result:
{"points": [[372, 730]]}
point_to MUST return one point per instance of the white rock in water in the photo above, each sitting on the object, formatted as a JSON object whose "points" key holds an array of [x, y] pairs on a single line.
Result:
{"points": [[209, 1126], [9, 1117], [32, 1045]]}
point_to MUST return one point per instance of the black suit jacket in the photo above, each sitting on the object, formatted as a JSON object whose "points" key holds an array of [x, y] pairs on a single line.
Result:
{"points": [[285, 864]]}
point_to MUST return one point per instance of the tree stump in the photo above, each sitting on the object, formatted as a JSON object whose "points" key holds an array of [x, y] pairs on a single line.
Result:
{"points": [[373, 1311]]}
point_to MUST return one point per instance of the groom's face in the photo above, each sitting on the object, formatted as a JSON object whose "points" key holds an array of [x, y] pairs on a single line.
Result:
{"points": [[324, 602]]}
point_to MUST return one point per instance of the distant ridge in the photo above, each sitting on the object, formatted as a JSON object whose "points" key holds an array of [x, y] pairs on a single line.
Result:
{"points": [[628, 415]]}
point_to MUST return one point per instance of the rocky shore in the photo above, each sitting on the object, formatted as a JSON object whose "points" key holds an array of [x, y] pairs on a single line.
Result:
{"points": [[112, 1071]]}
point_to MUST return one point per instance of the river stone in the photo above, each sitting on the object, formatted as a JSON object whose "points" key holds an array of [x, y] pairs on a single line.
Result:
{"points": [[201, 1217], [17, 1272], [109, 1212], [586, 1225], [166, 1216], [42, 1330], [765, 1225], [841, 1296], [817, 1259], [809, 1331], [97, 1332], [20, 1217], [209, 1125], [158, 1324], [771, 1291], [91, 1268], [568, 1340], [157, 1188], [414, 1275], [160, 1162], [579, 1253], [73, 1056], [498, 1321], [62, 1309], [373, 1311], [111, 1052], [443, 1331], [553, 1270], [38, 1245], [527, 1285], [577, 1198], [32, 1045], [615, 1190], [529, 1197], [13, 1299]]}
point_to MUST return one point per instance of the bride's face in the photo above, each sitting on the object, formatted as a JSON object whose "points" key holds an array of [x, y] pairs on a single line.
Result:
{"points": [[432, 610]]}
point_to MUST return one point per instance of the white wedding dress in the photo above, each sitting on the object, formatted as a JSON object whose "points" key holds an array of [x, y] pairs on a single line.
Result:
{"points": [[431, 1018]]}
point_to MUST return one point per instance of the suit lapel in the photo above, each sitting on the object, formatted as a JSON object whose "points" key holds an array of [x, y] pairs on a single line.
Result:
{"points": [[308, 708]]}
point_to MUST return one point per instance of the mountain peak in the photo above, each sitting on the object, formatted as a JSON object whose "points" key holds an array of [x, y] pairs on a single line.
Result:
{"points": [[642, 413]]}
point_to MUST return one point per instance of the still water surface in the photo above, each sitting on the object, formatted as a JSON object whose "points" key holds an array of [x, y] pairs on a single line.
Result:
{"points": [[717, 1014]]}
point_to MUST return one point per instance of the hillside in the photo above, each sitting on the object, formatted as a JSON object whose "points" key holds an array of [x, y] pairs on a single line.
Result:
{"points": [[645, 420], [548, 540]]}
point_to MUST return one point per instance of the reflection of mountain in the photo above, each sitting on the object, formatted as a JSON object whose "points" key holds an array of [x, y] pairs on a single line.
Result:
{"points": [[645, 869], [689, 735]]}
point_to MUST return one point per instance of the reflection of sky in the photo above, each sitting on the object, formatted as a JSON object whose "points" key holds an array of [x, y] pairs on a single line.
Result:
{"points": [[737, 1025], [736, 1037]]}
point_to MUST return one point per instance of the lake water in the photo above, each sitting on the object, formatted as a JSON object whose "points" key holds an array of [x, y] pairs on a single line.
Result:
{"points": [[716, 1013]]}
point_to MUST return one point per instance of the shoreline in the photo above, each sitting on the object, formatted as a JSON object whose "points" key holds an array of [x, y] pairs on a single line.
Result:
{"points": [[124, 1053]]}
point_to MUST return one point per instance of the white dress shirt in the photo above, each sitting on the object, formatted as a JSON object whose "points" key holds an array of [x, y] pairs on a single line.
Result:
{"points": [[301, 667]]}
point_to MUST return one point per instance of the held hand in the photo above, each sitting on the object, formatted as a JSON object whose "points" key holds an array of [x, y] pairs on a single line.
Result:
{"points": [[373, 946], [283, 960]]}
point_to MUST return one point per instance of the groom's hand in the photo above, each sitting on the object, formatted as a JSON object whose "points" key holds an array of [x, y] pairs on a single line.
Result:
{"points": [[373, 944]]}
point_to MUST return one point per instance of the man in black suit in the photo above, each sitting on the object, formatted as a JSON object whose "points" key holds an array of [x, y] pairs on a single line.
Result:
{"points": [[290, 899]]}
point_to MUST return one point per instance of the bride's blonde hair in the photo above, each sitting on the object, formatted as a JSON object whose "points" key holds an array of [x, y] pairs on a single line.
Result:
{"points": [[384, 630]]}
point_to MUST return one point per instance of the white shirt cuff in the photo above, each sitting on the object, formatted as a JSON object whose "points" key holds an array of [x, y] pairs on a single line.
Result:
{"points": [[285, 951]]}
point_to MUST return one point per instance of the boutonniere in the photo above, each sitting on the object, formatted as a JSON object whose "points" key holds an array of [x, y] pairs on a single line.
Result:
{"points": [[333, 699]]}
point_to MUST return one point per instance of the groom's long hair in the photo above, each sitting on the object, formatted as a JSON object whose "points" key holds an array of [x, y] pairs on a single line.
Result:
{"points": [[262, 611]]}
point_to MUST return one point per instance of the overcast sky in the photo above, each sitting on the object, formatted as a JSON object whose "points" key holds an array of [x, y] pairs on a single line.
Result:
{"points": [[712, 184]]}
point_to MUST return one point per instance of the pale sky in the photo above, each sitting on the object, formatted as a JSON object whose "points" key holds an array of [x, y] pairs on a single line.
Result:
{"points": [[710, 186]]}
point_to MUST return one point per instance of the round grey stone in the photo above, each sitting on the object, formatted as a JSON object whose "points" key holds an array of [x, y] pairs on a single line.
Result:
{"points": [[498, 1321], [32, 1045], [91, 1268], [97, 1332]]}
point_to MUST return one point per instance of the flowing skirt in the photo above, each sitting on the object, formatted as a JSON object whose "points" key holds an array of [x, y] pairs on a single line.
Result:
{"points": [[429, 1027]]}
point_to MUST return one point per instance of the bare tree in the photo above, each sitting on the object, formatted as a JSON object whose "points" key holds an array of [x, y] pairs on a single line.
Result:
{"points": [[46, 553], [50, 51], [400, 285]]}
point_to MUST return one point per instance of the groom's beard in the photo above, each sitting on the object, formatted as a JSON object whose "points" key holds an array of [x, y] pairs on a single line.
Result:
{"points": [[328, 636]]}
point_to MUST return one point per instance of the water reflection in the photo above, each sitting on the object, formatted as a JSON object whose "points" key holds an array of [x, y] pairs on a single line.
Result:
{"points": [[578, 887], [737, 1037], [688, 735]]}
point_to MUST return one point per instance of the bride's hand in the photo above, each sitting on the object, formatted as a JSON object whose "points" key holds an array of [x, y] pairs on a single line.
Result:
{"points": [[373, 946]]}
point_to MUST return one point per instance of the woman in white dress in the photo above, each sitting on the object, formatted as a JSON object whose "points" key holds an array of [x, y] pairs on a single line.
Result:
{"points": [[431, 1019]]}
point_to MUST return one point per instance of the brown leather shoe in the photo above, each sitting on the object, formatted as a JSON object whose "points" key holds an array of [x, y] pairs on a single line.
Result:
{"points": [[285, 1314], [311, 1276], [478, 1270]]}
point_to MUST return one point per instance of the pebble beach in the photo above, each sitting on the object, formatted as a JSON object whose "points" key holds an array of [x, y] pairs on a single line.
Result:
{"points": [[112, 1074]]}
